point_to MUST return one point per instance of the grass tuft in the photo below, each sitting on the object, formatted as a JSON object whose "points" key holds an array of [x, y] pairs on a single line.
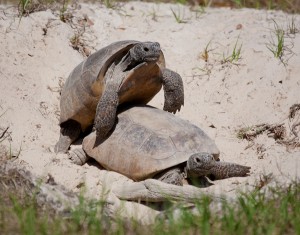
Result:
{"points": [[109, 3], [205, 52], [281, 43], [235, 55], [277, 46], [179, 16], [292, 29]]}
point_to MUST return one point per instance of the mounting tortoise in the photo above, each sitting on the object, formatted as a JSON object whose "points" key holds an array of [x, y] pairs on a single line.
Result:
{"points": [[136, 74], [150, 143]]}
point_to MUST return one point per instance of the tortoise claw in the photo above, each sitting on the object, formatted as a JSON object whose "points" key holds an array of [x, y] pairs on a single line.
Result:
{"points": [[173, 90]]}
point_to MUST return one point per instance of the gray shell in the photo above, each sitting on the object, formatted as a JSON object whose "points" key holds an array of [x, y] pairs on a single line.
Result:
{"points": [[85, 84], [146, 141]]}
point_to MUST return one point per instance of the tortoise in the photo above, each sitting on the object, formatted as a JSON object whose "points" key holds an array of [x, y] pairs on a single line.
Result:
{"points": [[122, 72], [148, 142]]}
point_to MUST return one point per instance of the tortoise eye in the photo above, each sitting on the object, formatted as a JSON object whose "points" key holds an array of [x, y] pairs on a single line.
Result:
{"points": [[146, 49]]}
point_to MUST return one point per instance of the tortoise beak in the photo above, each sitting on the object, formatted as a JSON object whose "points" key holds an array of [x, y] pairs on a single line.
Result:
{"points": [[152, 58]]}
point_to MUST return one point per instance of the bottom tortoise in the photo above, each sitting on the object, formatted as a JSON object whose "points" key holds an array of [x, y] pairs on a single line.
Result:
{"points": [[148, 142]]}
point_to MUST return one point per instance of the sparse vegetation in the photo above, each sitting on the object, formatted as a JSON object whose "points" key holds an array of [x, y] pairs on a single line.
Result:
{"points": [[292, 29], [280, 43], [109, 3], [277, 131], [271, 211], [235, 54], [63, 10], [277, 46], [23, 5], [77, 42], [204, 54], [179, 16], [291, 6]]}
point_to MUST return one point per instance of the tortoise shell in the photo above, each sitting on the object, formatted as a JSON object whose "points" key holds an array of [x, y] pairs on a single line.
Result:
{"points": [[147, 141]]}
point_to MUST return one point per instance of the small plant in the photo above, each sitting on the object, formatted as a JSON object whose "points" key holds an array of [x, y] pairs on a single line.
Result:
{"points": [[153, 14], [179, 16], [204, 54], [184, 2], [207, 3], [235, 54], [26, 7], [292, 28], [280, 43], [238, 3], [109, 3], [277, 46], [23, 4], [76, 41], [63, 10], [199, 10]]}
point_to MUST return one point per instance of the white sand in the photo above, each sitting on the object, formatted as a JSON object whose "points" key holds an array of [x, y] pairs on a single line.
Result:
{"points": [[256, 89]]}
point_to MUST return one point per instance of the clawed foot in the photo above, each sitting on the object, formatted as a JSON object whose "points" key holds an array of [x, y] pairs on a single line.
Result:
{"points": [[173, 90]]}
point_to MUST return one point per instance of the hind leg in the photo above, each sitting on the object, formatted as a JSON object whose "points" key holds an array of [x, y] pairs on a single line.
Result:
{"points": [[173, 90], [69, 132]]}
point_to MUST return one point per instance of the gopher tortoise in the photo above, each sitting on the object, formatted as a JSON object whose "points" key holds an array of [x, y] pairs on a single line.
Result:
{"points": [[136, 74], [150, 143]]}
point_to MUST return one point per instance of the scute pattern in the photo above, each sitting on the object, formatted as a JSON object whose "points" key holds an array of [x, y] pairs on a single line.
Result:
{"points": [[158, 147]]}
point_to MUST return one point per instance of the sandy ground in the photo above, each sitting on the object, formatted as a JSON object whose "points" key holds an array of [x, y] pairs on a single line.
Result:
{"points": [[36, 57]]}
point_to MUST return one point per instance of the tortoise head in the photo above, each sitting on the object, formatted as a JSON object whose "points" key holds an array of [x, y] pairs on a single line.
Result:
{"points": [[145, 52], [200, 164]]}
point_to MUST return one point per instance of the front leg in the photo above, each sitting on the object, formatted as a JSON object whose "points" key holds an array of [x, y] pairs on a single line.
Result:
{"points": [[106, 112], [173, 90]]}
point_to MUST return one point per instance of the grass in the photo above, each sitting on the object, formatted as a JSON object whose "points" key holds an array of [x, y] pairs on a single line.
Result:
{"points": [[63, 10], [235, 55], [277, 46], [263, 211], [23, 4], [291, 6], [179, 16], [253, 213], [109, 3], [280, 43], [205, 52], [292, 29]]}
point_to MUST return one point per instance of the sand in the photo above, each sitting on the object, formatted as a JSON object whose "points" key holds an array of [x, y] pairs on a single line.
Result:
{"points": [[221, 97]]}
